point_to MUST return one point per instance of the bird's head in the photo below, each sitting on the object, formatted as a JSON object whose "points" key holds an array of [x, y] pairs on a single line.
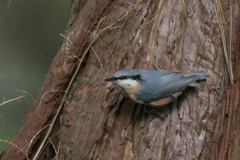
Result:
{"points": [[126, 79]]}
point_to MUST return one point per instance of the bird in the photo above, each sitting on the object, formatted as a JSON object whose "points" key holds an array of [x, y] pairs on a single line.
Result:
{"points": [[155, 87]]}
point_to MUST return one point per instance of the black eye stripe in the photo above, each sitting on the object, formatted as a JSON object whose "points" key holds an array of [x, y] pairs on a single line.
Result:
{"points": [[124, 77], [135, 77]]}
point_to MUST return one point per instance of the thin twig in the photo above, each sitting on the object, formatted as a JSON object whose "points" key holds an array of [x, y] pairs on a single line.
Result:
{"points": [[15, 146], [17, 90], [14, 99], [56, 157], [46, 144], [219, 13], [227, 54], [230, 43], [158, 67], [35, 136], [63, 35], [50, 140], [4, 122], [48, 92], [98, 60], [99, 23]]}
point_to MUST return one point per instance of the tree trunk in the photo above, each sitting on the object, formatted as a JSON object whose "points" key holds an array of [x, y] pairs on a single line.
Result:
{"points": [[97, 121]]}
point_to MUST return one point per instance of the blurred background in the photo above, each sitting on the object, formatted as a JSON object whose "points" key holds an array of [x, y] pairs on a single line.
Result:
{"points": [[29, 40]]}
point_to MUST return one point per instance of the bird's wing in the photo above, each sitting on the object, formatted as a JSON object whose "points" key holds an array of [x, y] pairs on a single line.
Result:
{"points": [[166, 85], [174, 83]]}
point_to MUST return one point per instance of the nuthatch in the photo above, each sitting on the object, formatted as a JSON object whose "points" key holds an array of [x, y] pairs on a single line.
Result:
{"points": [[155, 87]]}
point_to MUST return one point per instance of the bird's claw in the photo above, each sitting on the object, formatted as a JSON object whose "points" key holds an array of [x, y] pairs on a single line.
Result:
{"points": [[154, 111]]}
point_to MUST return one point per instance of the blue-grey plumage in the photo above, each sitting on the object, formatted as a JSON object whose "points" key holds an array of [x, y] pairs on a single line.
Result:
{"points": [[155, 87]]}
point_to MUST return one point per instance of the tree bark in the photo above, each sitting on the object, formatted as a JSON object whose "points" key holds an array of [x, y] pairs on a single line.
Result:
{"points": [[97, 121], [225, 144]]}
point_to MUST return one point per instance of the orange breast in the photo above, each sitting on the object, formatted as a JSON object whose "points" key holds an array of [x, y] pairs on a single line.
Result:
{"points": [[158, 103], [165, 100]]}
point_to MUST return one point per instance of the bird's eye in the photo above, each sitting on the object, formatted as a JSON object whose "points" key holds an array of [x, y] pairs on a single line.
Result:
{"points": [[123, 77]]}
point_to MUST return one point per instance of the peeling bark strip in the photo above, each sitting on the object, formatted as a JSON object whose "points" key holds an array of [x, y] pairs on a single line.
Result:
{"points": [[97, 122], [226, 142]]}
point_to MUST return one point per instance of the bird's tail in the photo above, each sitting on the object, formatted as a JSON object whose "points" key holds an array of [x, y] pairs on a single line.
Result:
{"points": [[202, 76]]}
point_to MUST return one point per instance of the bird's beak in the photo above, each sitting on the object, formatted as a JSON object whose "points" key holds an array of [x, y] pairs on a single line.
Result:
{"points": [[110, 79]]}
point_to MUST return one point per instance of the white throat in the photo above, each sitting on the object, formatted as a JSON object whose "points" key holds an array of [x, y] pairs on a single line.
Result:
{"points": [[127, 83]]}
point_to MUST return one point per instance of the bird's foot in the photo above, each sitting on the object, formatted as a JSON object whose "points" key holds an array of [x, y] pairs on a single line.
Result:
{"points": [[155, 111]]}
